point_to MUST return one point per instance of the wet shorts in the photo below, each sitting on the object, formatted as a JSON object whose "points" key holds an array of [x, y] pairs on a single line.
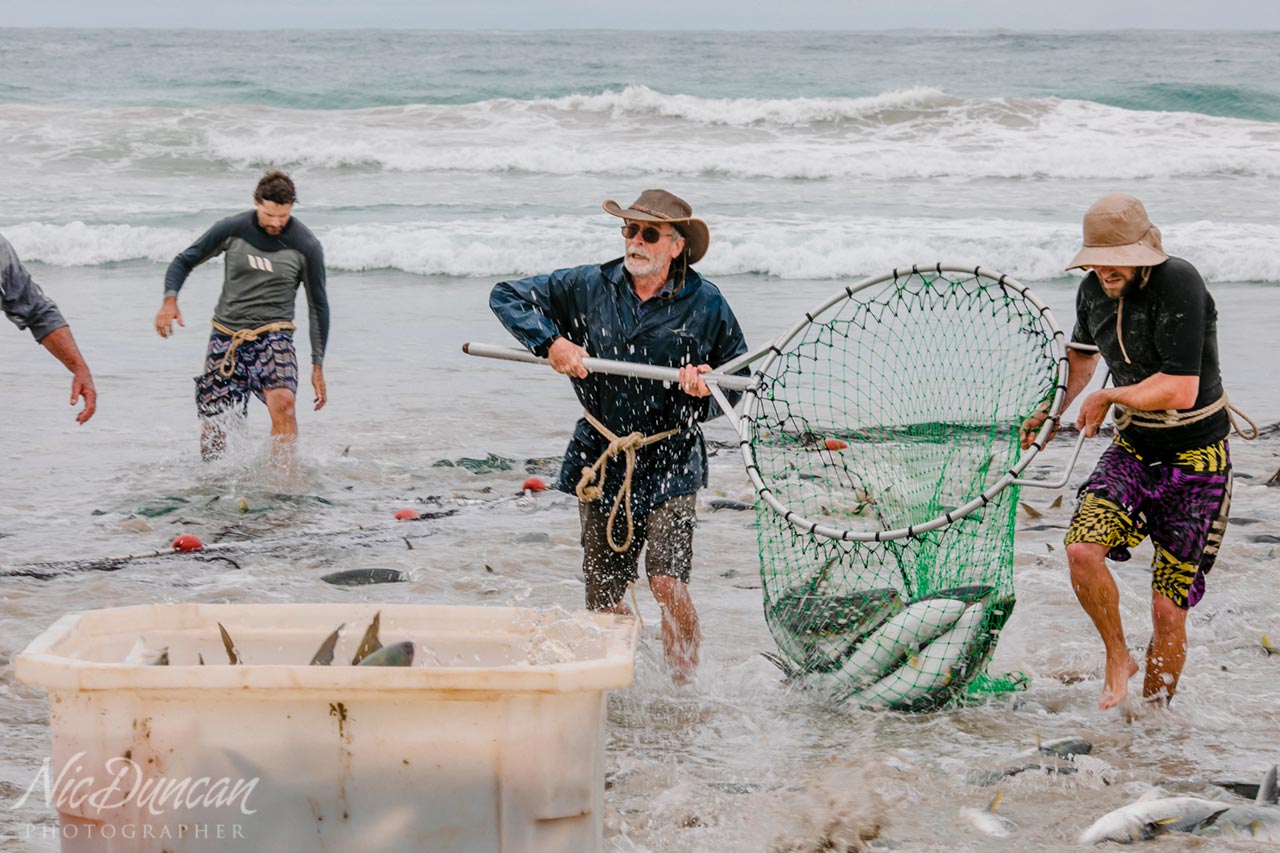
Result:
{"points": [[1182, 504], [668, 528], [269, 362]]}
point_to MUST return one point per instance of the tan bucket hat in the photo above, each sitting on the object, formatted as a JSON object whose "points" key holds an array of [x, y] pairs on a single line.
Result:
{"points": [[662, 206], [1117, 233]]}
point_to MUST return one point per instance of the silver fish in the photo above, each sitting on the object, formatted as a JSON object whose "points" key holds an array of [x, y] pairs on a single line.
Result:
{"points": [[1151, 815], [1259, 821], [896, 638], [397, 654], [817, 631], [929, 671], [988, 821]]}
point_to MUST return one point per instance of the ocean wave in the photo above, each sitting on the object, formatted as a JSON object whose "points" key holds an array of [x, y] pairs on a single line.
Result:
{"points": [[641, 102], [792, 249], [913, 134], [76, 244], [1237, 99]]}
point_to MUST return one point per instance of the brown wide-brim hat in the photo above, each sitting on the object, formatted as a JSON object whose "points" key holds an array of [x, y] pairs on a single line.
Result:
{"points": [[1117, 233], [662, 206]]}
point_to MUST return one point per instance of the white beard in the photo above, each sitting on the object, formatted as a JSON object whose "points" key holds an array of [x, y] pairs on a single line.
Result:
{"points": [[641, 264]]}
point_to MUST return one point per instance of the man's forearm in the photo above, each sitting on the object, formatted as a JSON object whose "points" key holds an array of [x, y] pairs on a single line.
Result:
{"points": [[1080, 369], [1158, 392], [63, 347]]}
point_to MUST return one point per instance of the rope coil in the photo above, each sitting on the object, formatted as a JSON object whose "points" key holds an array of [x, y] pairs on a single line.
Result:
{"points": [[245, 336], [627, 445], [1126, 417]]}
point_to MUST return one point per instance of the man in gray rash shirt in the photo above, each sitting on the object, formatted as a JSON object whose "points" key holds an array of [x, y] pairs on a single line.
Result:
{"points": [[27, 306], [268, 254]]}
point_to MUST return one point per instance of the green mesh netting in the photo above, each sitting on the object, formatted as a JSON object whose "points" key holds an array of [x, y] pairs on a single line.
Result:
{"points": [[893, 408]]}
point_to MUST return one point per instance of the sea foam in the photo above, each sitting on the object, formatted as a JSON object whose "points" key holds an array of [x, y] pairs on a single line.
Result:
{"points": [[918, 133], [840, 248]]}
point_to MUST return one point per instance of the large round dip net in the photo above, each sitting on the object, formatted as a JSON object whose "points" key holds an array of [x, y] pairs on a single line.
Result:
{"points": [[883, 439]]}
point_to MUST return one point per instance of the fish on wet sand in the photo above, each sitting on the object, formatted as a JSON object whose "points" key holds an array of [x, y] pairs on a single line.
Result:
{"points": [[1258, 821], [716, 504], [364, 577], [1051, 757], [1150, 815], [989, 821]]}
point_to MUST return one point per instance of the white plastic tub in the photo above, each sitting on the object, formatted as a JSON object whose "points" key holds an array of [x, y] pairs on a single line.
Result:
{"points": [[492, 741]]}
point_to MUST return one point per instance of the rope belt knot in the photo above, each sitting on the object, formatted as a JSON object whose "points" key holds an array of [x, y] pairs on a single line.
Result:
{"points": [[244, 336], [1126, 417], [625, 445]]}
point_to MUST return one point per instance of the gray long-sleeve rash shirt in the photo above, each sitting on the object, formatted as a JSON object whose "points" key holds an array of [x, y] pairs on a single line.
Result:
{"points": [[262, 275], [22, 299]]}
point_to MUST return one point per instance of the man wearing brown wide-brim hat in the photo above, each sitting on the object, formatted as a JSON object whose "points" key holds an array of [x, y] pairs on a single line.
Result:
{"points": [[637, 458], [1167, 474]]}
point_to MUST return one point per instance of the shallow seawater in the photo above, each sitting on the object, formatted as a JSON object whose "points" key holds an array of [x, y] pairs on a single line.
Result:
{"points": [[737, 760]]}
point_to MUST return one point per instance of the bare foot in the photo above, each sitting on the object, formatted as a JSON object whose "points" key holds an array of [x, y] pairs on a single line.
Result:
{"points": [[1119, 671]]}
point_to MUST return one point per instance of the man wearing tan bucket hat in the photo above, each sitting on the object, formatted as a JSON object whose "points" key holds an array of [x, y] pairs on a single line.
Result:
{"points": [[1167, 474], [637, 458]]}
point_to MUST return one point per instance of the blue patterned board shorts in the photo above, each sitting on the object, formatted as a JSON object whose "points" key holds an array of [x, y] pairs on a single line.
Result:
{"points": [[1182, 504], [269, 362]]}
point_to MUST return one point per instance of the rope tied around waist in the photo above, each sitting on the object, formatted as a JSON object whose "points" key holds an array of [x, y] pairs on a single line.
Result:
{"points": [[244, 336], [1126, 417], [627, 445]]}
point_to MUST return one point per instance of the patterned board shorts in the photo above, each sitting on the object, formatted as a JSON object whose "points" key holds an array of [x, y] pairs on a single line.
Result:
{"points": [[1182, 504], [269, 362], [668, 527]]}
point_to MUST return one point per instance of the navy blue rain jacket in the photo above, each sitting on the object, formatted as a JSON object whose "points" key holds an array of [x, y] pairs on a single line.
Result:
{"points": [[595, 307]]}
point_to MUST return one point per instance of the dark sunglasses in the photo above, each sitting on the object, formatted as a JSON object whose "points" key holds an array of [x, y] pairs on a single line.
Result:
{"points": [[648, 232]]}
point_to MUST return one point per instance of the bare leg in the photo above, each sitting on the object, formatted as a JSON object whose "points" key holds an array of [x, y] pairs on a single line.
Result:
{"points": [[681, 636], [1096, 590], [284, 427], [1168, 650]]}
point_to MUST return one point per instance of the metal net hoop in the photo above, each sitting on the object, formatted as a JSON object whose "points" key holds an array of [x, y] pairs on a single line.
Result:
{"points": [[882, 438]]}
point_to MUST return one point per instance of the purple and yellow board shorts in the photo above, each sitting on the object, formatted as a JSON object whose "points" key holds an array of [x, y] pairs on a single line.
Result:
{"points": [[269, 362], [1182, 504]]}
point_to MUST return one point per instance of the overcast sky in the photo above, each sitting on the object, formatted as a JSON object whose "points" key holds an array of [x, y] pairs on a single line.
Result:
{"points": [[650, 14]]}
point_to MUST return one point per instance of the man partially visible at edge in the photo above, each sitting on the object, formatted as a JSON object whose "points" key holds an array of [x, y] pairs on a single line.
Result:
{"points": [[27, 306], [1167, 474], [268, 255]]}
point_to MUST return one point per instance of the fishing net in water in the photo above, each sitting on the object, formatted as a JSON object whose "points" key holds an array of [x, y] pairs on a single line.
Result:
{"points": [[883, 438]]}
